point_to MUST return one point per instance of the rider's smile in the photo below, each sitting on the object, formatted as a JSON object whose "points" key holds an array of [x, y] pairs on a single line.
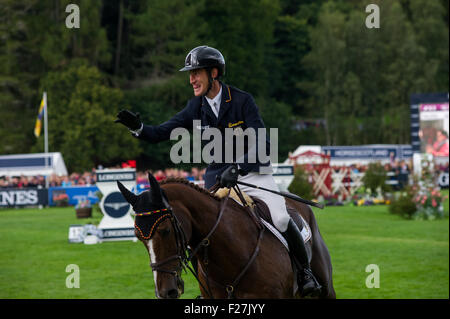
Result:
{"points": [[199, 81]]}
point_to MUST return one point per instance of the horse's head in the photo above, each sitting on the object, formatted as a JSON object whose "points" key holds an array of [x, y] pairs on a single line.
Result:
{"points": [[156, 226]]}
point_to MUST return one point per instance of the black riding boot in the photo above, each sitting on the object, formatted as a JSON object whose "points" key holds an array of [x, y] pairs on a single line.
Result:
{"points": [[308, 284]]}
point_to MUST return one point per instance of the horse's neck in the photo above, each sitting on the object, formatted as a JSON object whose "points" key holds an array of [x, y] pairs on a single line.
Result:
{"points": [[201, 212], [199, 209]]}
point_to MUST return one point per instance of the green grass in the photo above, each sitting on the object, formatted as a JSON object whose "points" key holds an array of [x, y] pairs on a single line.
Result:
{"points": [[413, 256], [35, 252]]}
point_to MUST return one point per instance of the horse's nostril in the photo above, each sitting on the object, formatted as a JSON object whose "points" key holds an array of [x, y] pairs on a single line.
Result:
{"points": [[173, 293]]}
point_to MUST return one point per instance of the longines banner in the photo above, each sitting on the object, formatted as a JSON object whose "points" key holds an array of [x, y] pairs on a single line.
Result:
{"points": [[117, 223], [23, 197]]}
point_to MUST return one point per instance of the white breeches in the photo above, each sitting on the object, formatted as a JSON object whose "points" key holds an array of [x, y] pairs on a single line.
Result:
{"points": [[275, 203]]}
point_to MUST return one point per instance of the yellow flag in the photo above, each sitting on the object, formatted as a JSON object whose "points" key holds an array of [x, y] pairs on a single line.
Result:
{"points": [[38, 126]]}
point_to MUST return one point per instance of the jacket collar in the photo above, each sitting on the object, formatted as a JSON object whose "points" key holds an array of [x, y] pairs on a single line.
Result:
{"points": [[224, 103]]}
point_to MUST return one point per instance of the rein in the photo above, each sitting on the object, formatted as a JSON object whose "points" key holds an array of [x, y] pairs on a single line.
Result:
{"points": [[206, 242], [182, 247]]}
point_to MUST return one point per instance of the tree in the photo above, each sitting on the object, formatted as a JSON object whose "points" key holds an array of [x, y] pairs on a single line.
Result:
{"points": [[278, 115], [243, 32], [301, 185], [428, 21], [18, 109], [364, 77], [291, 45], [308, 59], [35, 40], [81, 117], [327, 60], [375, 177], [161, 35], [154, 109]]}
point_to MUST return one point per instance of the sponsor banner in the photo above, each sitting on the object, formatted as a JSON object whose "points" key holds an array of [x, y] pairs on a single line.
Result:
{"points": [[115, 205], [407, 152], [141, 187], [117, 223], [73, 194], [117, 233], [103, 176], [10, 197], [283, 175], [283, 170], [367, 152], [433, 107]]}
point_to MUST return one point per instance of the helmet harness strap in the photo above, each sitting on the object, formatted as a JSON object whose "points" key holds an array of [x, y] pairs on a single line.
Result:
{"points": [[210, 80]]}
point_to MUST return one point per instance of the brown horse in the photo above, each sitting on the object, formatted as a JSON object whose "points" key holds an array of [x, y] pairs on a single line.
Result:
{"points": [[179, 215]]}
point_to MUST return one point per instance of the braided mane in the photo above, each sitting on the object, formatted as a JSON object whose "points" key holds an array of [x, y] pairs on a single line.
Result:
{"points": [[178, 180]]}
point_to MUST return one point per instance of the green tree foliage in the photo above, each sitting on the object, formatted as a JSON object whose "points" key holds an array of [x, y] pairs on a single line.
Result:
{"points": [[403, 204], [81, 113], [300, 185], [299, 59], [279, 115], [428, 20], [155, 106], [327, 60], [375, 177], [35, 40], [162, 34], [364, 77], [243, 31], [17, 78], [292, 43]]}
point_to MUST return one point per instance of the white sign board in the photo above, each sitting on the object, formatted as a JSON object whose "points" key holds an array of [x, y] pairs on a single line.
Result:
{"points": [[283, 175], [76, 233], [117, 223]]}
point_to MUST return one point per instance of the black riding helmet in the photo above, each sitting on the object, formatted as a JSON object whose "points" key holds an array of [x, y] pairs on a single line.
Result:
{"points": [[204, 57]]}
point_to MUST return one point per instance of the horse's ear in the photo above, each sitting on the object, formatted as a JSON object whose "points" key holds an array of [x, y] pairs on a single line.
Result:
{"points": [[154, 186], [129, 196]]}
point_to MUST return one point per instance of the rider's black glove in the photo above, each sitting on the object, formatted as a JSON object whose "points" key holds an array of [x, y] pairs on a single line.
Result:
{"points": [[229, 177], [129, 119]]}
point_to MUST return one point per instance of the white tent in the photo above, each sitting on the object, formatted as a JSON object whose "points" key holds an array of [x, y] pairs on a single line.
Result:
{"points": [[32, 164], [305, 148]]}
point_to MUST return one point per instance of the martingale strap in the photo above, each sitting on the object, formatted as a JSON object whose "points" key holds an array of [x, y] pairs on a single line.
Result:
{"points": [[147, 222], [205, 243]]}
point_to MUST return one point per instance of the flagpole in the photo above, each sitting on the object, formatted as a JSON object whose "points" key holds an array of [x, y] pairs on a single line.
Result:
{"points": [[46, 137]]}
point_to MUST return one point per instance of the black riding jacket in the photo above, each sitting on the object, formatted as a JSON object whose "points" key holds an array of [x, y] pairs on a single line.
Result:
{"points": [[238, 110]]}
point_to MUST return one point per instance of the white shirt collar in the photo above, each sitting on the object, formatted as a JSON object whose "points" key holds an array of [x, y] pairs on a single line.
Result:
{"points": [[217, 99]]}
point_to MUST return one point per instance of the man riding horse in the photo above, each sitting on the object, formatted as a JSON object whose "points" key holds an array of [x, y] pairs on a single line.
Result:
{"points": [[219, 105]]}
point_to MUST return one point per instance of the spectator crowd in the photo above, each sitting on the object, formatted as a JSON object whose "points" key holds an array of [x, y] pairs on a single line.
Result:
{"points": [[89, 178], [399, 170]]}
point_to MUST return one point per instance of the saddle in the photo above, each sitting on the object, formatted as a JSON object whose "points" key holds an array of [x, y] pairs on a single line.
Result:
{"points": [[261, 210]]}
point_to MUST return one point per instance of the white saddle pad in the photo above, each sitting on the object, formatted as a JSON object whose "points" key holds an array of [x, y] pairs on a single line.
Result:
{"points": [[306, 232]]}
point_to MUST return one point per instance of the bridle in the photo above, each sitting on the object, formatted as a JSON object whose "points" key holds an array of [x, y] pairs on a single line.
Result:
{"points": [[181, 244], [182, 247]]}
